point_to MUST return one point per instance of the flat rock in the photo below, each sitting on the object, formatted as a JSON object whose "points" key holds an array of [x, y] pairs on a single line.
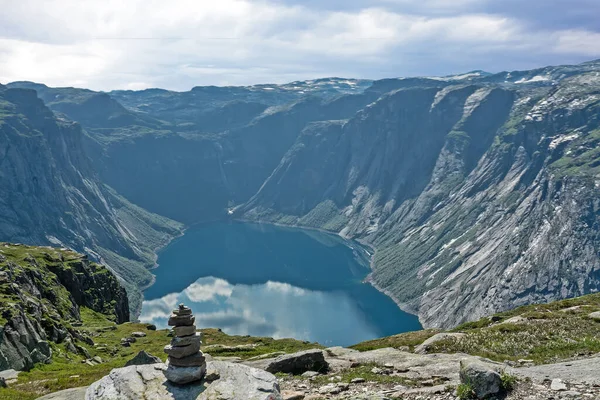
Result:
{"points": [[187, 340], [423, 348], [558, 385], [419, 365], [514, 320], [184, 320], [595, 316], [195, 360], [339, 351], [184, 330], [68, 394], [184, 375], [143, 358], [236, 382], [297, 363], [265, 356], [183, 351], [138, 334], [183, 311], [9, 374], [578, 371]]}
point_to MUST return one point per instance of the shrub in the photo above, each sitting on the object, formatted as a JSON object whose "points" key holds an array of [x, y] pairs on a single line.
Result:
{"points": [[465, 391], [508, 381]]}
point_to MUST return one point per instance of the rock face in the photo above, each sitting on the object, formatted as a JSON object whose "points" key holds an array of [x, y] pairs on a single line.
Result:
{"points": [[478, 193], [476, 196], [186, 362], [42, 288], [484, 380], [235, 382], [51, 195], [297, 363]]}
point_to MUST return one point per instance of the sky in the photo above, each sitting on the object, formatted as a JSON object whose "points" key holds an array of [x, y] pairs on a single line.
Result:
{"points": [[179, 44]]}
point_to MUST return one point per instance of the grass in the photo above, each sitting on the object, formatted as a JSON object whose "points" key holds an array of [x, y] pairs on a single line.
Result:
{"points": [[508, 381], [465, 391], [409, 340], [67, 370], [547, 333]]}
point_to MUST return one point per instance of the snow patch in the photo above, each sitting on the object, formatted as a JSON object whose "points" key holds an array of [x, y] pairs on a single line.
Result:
{"points": [[537, 78]]}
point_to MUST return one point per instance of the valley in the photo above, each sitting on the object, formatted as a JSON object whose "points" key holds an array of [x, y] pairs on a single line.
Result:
{"points": [[477, 192]]}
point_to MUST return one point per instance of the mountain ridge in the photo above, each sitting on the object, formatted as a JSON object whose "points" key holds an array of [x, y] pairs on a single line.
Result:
{"points": [[420, 168]]}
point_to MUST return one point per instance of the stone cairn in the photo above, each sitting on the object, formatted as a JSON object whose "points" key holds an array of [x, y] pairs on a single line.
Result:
{"points": [[186, 362]]}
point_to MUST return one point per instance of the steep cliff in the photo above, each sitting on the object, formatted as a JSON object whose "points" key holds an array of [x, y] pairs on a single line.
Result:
{"points": [[41, 292], [477, 191], [478, 197], [51, 194]]}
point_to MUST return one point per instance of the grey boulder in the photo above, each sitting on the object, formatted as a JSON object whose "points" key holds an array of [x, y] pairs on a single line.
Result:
{"points": [[184, 375], [68, 394], [298, 363], [484, 381], [235, 382], [424, 347], [143, 358]]}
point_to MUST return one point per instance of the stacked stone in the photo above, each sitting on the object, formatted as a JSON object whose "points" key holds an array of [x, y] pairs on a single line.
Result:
{"points": [[186, 362]]}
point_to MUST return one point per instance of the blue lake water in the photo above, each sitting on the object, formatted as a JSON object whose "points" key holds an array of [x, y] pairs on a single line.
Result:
{"points": [[265, 280]]}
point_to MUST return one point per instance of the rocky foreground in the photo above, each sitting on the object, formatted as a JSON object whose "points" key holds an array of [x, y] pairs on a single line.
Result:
{"points": [[341, 373]]}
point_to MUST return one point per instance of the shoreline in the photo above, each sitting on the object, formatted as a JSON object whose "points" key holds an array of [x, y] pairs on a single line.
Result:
{"points": [[361, 242], [368, 279]]}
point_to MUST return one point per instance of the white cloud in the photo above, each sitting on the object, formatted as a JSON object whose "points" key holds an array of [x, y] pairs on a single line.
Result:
{"points": [[198, 291], [135, 44], [578, 42]]}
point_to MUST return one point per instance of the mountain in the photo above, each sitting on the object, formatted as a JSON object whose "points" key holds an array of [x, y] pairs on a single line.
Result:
{"points": [[477, 191], [477, 197], [51, 194]]}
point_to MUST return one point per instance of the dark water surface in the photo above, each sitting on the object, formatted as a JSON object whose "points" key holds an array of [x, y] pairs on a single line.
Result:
{"points": [[264, 280]]}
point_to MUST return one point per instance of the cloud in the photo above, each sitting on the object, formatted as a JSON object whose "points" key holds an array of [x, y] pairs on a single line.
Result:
{"points": [[113, 44], [201, 291], [272, 309]]}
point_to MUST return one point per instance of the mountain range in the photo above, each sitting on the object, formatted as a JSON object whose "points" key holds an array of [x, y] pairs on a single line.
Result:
{"points": [[478, 192]]}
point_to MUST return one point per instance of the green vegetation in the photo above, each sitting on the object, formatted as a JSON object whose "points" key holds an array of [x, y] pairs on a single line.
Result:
{"points": [[508, 381], [581, 156], [57, 274], [404, 340], [465, 391], [543, 333], [68, 370]]}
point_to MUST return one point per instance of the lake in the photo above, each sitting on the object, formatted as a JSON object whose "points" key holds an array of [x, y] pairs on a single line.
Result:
{"points": [[265, 280]]}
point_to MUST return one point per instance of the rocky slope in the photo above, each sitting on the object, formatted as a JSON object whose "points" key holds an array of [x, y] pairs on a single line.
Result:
{"points": [[51, 194], [41, 292], [478, 197], [533, 352]]}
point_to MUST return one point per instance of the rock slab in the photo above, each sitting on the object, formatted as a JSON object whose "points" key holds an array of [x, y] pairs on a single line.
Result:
{"points": [[424, 347], [235, 382]]}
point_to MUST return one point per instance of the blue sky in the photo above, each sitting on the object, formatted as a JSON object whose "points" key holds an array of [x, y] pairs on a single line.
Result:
{"points": [[178, 44]]}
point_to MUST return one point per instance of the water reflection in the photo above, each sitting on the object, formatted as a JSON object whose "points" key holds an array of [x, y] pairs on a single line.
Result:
{"points": [[323, 298], [272, 309]]}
